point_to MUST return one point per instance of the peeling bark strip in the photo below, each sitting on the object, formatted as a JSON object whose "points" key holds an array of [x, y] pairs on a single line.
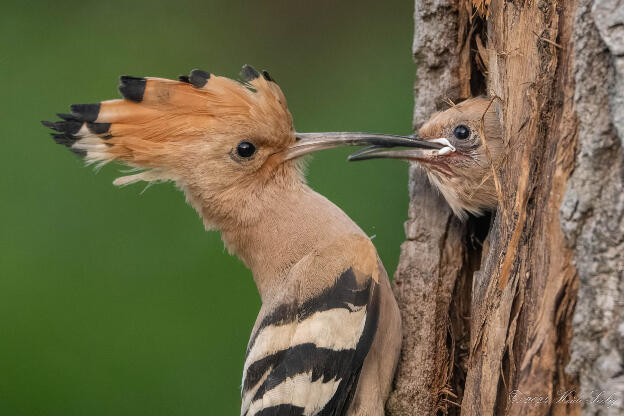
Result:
{"points": [[437, 261], [495, 340], [433, 262], [524, 295], [419, 284]]}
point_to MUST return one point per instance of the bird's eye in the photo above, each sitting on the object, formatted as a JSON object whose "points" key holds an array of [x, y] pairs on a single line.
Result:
{"points": [[245, 149], [461, 132]]}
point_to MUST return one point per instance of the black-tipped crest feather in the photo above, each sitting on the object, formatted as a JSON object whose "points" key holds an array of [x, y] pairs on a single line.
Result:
{"points": [[69, 127], [198, 78], [268, 77], [66, 117], [63, 139], [248, 73], [98, 128], [132, 88], [85, 112]]}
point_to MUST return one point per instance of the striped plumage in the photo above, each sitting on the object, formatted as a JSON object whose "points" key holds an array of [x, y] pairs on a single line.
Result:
{"points": [[309, 355], [327, 337]]}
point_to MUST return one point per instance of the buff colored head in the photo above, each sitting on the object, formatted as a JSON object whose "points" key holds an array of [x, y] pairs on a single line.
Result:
{"points": [[471, 136]]}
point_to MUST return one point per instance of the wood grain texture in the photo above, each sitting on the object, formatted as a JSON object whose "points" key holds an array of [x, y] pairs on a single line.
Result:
{"points": [[524, 295]]}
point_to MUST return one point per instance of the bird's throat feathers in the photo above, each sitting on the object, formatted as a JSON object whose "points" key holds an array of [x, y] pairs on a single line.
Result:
{"points": [[246, 202], [264, 242]]}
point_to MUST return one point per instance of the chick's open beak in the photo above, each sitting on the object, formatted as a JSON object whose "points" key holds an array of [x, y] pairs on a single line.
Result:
{"points": [[442, 147], [311, 142]]}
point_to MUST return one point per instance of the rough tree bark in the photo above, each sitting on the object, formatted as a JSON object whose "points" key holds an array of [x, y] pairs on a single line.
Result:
{"points": [[488, 306], [593, 209]]}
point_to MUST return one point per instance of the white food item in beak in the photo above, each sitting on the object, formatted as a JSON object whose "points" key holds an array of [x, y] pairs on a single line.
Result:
{"points": [[445, 151], [449, 148]]}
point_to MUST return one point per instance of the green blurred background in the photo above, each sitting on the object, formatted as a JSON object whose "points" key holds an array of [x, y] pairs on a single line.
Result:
{"points": [[114, 302]]}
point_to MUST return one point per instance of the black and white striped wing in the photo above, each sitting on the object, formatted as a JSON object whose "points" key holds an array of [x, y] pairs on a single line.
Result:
{"points": [[306, 359]]}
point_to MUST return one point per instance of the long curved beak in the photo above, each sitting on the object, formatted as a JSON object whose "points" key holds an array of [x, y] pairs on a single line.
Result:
{"points": [[311, 142], [379, 152]]}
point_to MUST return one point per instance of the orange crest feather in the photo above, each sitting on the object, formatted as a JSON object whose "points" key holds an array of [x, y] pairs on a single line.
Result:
{"points": [[157, 117]]}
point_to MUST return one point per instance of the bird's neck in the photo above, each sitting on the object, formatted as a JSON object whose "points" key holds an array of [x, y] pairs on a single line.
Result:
{"points": [[292, 223]]}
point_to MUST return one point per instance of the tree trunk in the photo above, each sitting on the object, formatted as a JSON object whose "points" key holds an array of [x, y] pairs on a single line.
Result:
{"points": [[523, 312]]}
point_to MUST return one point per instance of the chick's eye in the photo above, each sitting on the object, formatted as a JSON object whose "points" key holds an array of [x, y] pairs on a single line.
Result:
{"points": [[245, 149], [461, 132]]}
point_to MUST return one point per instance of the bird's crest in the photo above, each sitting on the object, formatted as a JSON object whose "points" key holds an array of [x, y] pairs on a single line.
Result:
{"points": [[157, 117]]}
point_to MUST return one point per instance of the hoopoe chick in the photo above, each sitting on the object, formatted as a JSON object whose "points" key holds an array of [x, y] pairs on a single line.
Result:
{"points": [[328, 334], [462, 169]]}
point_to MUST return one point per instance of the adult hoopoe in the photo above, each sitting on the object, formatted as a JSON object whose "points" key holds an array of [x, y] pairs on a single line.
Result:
{"points": [[462, 170], [328, 335]]}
